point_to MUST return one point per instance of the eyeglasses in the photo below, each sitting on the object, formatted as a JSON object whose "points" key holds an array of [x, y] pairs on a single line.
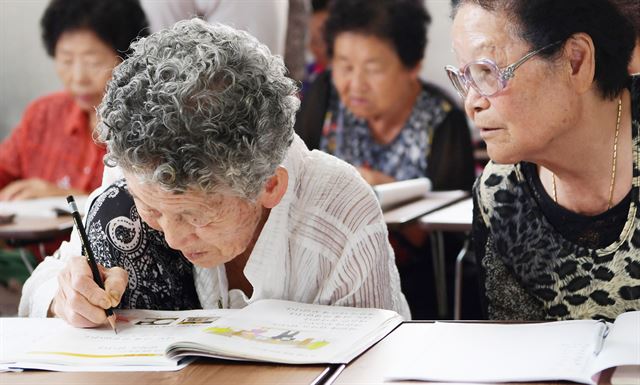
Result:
{"points": [[485, 76]]}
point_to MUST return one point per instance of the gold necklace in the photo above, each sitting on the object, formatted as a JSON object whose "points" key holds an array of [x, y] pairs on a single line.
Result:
{"points": [[613, 167]]}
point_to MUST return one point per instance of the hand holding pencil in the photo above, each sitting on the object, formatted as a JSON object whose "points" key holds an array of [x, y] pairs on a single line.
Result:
{"points": [[88, 291]]}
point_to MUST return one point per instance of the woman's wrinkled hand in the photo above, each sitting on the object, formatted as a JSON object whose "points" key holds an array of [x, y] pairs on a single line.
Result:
{"points": [[79, 300], [32, 188], [374, 177]]}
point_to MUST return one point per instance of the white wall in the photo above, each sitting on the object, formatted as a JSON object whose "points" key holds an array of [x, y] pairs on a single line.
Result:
{"points": [[439, 52], [25, 69], [26, 72]]}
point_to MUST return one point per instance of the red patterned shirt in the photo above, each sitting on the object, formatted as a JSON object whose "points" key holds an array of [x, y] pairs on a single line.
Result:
{"points": [[53, 142]]}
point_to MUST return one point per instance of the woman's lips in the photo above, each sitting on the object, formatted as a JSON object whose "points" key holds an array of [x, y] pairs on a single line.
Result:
{"points": [[488, 132], [358, 101], [84, 99], [195, 256]]}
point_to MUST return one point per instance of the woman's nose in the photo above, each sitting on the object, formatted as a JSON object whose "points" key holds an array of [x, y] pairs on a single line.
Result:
{"points": [[79, 72], [358, 80], [177, 235], [474, 102]]}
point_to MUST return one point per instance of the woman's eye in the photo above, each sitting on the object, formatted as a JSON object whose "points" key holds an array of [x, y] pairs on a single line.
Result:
{"points": [[344, 68], [200, 222], [150, 212]]}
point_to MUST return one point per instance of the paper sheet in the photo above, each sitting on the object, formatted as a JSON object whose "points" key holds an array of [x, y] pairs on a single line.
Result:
{"points": [[622, 345], [391, 194], [41, 207], [140, 344], [502, 353]]}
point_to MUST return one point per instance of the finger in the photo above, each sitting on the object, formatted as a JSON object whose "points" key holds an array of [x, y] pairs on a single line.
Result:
{"points": [[77, 320], [12, 189], [82, 282], [61, 308], [35, 188], [59, 300], [78, 311], [28, 192], [365, 174], [71, 309], [115, 283]]}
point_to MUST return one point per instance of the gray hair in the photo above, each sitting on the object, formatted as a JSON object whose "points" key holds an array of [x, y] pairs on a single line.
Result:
{"points": [[199, 106]]}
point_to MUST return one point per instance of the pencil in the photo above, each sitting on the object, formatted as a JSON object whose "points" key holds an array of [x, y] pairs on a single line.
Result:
{"points": [[90, 258]]}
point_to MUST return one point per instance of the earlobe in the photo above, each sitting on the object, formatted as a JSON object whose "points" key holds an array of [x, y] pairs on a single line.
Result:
{"points": [[580, 52], [415, 71], [275, 188], [634, 64]]}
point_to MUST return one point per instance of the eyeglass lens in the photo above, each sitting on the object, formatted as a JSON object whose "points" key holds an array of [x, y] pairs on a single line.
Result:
{"points": [[457, 81], [484, 77]]}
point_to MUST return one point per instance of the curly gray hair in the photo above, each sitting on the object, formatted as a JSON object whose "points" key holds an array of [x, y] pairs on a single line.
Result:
{"points": [[199, 106]]}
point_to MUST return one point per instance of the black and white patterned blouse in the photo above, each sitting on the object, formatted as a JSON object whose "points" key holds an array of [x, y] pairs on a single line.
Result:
{"points": [[160, 278], [540, 261]]}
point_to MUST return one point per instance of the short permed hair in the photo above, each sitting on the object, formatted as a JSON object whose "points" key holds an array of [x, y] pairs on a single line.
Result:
{"points": [[403, 23], [631, 9], [116, 22], [542, 22], [199, 107]]}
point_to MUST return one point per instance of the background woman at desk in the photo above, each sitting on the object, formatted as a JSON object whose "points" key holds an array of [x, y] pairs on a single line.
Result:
{"points": [[372, 109], [556, 210], [52, 151], [221, 203]]}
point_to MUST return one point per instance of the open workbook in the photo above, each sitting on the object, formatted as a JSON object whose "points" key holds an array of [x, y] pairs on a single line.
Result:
{"points": [[564, 350], [267, 330]]}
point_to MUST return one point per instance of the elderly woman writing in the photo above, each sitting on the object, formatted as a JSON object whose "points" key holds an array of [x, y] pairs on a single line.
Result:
{"points": [[221, 204], [556, 225]]}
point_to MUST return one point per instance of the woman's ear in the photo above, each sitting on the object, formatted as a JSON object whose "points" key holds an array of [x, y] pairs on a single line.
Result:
{"points": [[580, 53], [415, 71], [634, 64], [275, 188]]}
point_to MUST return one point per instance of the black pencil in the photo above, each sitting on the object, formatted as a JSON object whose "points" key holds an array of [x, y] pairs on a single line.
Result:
{"points": [[89, 254]]}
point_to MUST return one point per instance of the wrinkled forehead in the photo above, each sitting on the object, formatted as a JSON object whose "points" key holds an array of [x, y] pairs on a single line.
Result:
{"points": [[478, 33], [153, 194]]}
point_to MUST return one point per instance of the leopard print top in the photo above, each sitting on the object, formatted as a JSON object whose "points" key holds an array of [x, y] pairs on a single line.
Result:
{"points": [[530, 271]]}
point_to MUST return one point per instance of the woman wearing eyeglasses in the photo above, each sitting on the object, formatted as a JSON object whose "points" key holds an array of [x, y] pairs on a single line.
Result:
{"points": [[556, 228], [51, 152]]}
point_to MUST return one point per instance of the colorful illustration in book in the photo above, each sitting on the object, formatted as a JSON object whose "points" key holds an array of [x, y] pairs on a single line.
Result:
{"points": [[197, 320], [294, 338]]}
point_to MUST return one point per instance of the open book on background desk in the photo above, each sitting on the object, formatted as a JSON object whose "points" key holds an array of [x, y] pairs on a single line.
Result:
{"points": [[267, 330], [406, 200], [564, 350], [394, 193], [40, 208]]}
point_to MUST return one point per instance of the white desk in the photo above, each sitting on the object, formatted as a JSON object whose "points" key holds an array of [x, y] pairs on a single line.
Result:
{"points": [[432, 201], [24, 231], [407, 212], [456, 218], [36, 221]]}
